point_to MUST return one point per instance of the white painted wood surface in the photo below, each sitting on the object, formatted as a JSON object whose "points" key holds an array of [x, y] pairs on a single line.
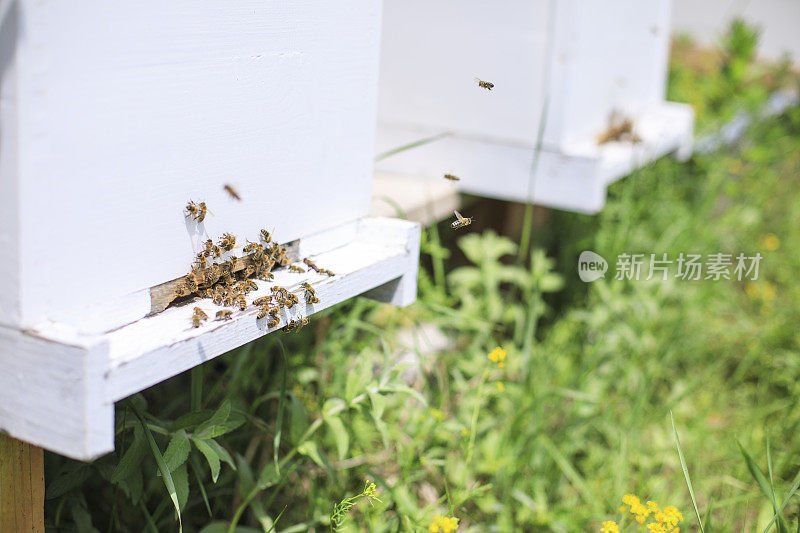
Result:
{"points": [[426, 202], [113, 115], [571, 60], [58, 385]]}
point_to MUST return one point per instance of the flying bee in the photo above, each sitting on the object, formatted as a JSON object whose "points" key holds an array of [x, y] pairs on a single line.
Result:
{"points": [[266, 236], [272, 322], [224, 314], [485, 84], [198, 317], [451, 177], [311, 264], [264, 300], [228, 188], [326, 272], [227, 242], [460, 221], [196, 211], [296, 268]]}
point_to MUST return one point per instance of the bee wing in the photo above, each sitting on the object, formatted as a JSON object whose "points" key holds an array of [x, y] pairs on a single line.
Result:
{"points": [[477, 80], [458, 216]]}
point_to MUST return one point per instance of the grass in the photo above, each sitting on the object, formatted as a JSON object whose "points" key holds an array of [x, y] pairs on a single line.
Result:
{"points": [[286, 433]]}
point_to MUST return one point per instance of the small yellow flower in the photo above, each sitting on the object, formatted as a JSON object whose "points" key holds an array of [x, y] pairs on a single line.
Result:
{"points": [[771, 242], [622, 509], [640, 519], [500, 386], [464, 431], [437, 414], [609, 526], [652, 506], [630, 499], [443, 524], [498, 356]]}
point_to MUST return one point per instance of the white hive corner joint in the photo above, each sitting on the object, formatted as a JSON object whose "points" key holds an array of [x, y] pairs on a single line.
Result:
{"points": [[58, 385]]}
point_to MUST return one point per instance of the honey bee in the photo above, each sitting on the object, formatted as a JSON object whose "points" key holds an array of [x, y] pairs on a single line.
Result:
{"points": [[198, 317], [460, 221], [296, 268], [227, 242], [326, 272], [228, 188], [296, 324], [228, 279], [277, 289], [190, 281], [310, 295], [290, 300], [248, 285], [262, 312], [196, 211], [241, 302], [485, 84], [451, 177], [250, 247], [224, 314], [311, 264], [264, 300], [266, 236], [272, 322], [248, 271], [181, 291], [228, 300], [266, 276], [273, 311], [217, 298]]}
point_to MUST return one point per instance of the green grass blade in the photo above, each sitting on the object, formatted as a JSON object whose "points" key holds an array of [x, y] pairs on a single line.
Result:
{"points": [[275, 522], [765, 486], [686, 473], [411, 145], [162, 467], [785, 502]]}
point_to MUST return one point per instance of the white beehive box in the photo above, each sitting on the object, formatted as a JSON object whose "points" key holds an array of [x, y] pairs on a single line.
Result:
{"points": [[113, 115], [571, 62]]}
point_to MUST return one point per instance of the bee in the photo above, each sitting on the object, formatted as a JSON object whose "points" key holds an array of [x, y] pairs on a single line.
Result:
{"points": [[292, 299], [262, 312], [228, 300], [273, 311], [248, 285], [227, 242], [277, 289], [198, 317], [266, 236], [272, 322], [217, 298], [264, 300], [266, 276], [311, 264], [460, 221], [296, 268], [196, 211], [485, 84], [295, 325], [224, 314], [182, 291], [250, 247], [310, 295], [200, 260], [241, 302], [190, 281], [228, 188], [228, 279], [326, 272], [248, 271], [213, 274], [204, 293], [451, 177]]}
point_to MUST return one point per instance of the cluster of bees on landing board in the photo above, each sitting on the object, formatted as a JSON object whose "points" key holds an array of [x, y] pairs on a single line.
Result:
{"points": [[462, 221], [226, 279]]}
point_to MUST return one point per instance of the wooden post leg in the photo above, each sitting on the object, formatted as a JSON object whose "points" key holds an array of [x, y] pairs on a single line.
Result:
{"points": [[21, 486]]}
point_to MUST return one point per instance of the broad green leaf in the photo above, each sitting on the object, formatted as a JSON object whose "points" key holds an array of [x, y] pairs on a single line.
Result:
{"points": [[333, 406], [177, 450], [298, 420], [310, 450], [132, 458], [211, 456], [223, 454], [181, 479], [358, 378], [340, 435], [268, 477], [71, 476]]}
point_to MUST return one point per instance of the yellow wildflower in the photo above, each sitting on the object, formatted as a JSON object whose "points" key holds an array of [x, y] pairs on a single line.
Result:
{"points": [[622, 509], [464, 431], [443, 524], [500, 386], [609, 526], [771, 242], [652, 506], [498, 355], [630, 499]]}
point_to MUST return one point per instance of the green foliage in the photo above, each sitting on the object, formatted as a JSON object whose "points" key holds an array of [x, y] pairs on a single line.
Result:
{"points": [[278, 434]]}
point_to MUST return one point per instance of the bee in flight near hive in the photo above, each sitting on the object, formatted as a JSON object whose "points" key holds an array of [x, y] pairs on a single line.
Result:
{"points": [[460, 221], [451, 177], [233, 193], [311, 264], [326, 272], [198, 317], [296, 268], [196, 211], [485, 84], [225, 314], [295, 325], [266, 236]]}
